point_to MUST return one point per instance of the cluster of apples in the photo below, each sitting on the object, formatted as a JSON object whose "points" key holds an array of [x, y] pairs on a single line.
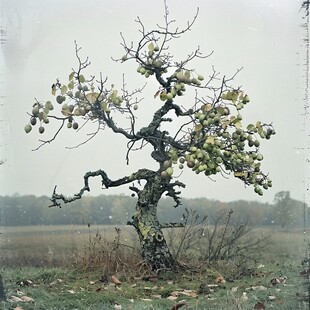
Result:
{"points": [[81, 101], [39, 114], [153, 61], [179, 78], [185, 76], [218, 143]]}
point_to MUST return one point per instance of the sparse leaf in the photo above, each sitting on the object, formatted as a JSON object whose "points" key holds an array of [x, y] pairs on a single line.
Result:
{"points": [[258, 124], [151, 47], [221, 110], [225, 123], [179, 75], [261, 133], [65, 112], [250, 127], [104, 106], [64, 89], [210, 140], [232, 118], [93, 97], [206, 107], [71, 85], [71, 76], [198, 127], [238, 174], [237, 124]]}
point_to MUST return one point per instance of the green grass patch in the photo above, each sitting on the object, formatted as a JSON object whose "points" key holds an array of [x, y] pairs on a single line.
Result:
{"points": [[60, 288], [87, 258]]}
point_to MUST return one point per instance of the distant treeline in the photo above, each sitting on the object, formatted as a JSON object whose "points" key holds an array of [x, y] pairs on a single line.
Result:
{"points": [[117, 209]]}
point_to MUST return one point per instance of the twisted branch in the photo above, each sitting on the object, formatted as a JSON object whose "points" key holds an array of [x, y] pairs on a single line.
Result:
{"points": [[105, 181]]}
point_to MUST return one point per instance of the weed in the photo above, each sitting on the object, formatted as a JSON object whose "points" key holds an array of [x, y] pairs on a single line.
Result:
{"points": [[84, 281], [218, 240]]}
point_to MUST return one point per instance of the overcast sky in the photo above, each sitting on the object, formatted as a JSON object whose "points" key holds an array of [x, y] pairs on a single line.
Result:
{"points": [[264, 37]]}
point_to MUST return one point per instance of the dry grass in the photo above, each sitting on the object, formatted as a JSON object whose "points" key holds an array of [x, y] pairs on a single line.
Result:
{"points": [[59, 245], [286, 246], [55, 245], [115, 253]]}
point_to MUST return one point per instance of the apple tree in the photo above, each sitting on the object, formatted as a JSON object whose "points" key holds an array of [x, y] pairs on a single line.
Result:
{"points": [[209, 136]]}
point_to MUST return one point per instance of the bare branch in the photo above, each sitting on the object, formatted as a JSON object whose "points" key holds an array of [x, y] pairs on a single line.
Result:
{"points": [[172, 225], [51, 140], [91, 136], [171, 192], [105, 181]]}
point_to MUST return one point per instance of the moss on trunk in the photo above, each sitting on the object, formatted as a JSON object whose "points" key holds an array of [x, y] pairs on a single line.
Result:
{"points": [[154, 248]]}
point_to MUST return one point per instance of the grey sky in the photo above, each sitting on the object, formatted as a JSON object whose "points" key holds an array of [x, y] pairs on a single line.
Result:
{"points": [[263, 37]]}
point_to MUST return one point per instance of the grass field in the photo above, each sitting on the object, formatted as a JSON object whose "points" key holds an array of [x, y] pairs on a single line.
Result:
{"points": [[64, 272], [53, 245]]}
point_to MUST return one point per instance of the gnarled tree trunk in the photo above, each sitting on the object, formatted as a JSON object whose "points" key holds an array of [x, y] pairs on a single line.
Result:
{"points": [[154, 248]]}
